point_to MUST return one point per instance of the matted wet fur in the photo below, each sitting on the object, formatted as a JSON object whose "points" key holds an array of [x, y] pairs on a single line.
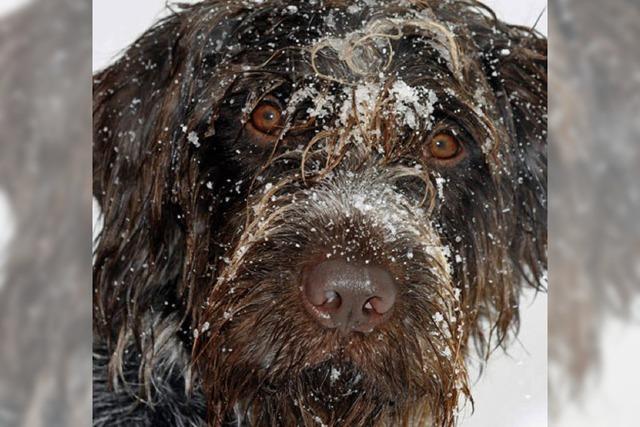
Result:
{"points": [[208, 222]]}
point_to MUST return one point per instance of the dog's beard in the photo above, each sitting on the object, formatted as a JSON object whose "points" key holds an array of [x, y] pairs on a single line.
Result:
{"points": [[263, 358]]}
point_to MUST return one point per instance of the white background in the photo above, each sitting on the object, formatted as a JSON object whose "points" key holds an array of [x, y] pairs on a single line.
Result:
{"points": [[6, 6]]}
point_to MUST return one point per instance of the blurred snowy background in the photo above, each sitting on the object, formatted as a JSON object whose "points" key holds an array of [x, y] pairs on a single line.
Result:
{"points": [[7, 6], [45, 187]]}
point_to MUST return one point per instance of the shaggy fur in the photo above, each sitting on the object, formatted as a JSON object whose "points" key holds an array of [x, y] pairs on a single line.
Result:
{"points": [[208, 223]]}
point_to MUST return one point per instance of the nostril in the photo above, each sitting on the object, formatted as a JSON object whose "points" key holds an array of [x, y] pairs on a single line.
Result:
{"points": [[377, 305], [368, 306], [332, 301]]}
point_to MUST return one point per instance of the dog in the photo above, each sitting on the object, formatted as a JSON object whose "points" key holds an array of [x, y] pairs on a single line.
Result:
{"points": [[596, 272], [314, 212]]}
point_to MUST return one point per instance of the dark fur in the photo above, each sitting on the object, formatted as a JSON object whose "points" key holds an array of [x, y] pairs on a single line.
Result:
{"points": [[196, 268]]}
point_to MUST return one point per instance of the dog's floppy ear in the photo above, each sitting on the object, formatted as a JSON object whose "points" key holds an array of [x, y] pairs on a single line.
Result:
{"points": [[131, 257], [148, 107], [514, 60], [510, 63]]}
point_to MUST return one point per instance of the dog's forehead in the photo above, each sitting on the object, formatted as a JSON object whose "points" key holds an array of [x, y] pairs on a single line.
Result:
{"points": [[343, 41], [379, 63]]}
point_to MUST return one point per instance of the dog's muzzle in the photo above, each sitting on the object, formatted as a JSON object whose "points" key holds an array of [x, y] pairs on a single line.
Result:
{"points": [[358, 239]]}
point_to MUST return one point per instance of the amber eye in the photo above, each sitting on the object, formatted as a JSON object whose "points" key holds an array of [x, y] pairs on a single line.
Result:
{"points": [[266, 117], [444, 146]]}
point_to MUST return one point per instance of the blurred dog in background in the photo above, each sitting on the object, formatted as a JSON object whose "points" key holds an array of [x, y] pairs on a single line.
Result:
{"points": [[594, 166], [45, 173]]}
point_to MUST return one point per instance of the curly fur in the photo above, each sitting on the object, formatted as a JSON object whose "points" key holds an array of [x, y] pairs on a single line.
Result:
{"points": [[204, 237]]}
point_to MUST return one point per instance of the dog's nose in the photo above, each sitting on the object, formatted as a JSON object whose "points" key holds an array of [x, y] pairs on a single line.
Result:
{"points": [[348, 297]]}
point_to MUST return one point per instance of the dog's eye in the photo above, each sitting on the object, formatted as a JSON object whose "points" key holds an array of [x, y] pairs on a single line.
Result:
{"points": [[267, 117], [444, 146]]}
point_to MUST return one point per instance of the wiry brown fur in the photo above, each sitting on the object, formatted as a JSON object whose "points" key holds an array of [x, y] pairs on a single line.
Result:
{"points": [[214, 234]]}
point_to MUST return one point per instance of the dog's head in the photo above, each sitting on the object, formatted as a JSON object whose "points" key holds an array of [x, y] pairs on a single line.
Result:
{"points": [[330, 197]]}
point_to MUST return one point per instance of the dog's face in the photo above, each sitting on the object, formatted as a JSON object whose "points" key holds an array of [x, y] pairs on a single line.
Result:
{"points": [[333, 196]]}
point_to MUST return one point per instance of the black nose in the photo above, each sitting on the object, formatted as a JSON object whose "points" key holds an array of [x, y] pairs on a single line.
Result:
{"points": [[347, 296]]}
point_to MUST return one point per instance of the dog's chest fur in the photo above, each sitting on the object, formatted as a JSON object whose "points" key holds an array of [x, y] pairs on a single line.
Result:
{"points": [[171, 406]]}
